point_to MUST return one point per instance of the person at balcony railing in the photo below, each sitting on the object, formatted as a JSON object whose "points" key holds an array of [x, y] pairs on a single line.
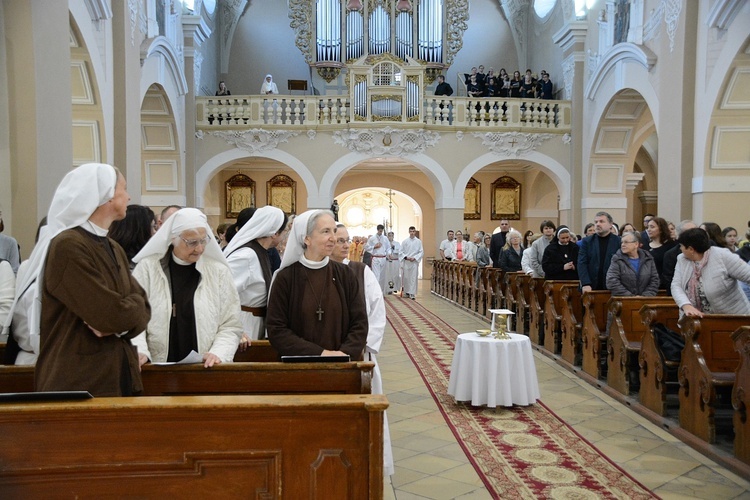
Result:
{"points": [[223, 90], [268, 86], [442, 87], [492, 89], [545, 87], [481, 77], [467, 76], [503, 81], [472, 88], [528, 86], [515, 84]]}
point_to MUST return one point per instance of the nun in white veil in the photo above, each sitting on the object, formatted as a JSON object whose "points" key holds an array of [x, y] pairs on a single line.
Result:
{"points": [[268, 86], [194, 305], [247, 255]]}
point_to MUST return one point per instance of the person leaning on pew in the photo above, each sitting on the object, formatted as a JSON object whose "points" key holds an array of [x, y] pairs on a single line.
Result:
{"points": [[190, 288], [315, 306], [706, 277], [90, 304]]}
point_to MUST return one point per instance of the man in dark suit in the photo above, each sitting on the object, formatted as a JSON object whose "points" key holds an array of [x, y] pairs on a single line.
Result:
{"points": [[596, 254], [498, 242]]}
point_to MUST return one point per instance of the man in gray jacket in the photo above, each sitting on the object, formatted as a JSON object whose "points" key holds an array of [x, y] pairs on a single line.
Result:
{"points": [[536, 252]]}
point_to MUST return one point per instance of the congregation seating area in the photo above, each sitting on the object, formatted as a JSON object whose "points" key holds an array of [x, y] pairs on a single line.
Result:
{"points": [[615, 344], [196, 427]]}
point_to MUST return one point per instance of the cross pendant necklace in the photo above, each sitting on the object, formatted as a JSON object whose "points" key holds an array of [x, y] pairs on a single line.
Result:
{"points": [[320, 310]]}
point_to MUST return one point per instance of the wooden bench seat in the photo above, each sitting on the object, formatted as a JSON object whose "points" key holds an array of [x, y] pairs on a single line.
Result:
{"points": [[593, 332], [231, 378], [624, 340], [707, 371], [741, 395], [657, 374], [524, 306], [536, 310], [571, 324], [512, 297], [553, 313], [313, 446]]}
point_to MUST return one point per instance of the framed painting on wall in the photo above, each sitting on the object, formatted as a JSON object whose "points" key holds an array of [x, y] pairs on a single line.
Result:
{"points": [[506, 199], [240, 193], [281, 192], [473, 200]]}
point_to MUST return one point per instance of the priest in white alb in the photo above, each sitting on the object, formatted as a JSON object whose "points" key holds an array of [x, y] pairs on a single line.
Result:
{"points": [[411, 254]]}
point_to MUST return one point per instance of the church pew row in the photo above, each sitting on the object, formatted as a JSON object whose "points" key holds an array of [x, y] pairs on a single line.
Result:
{"points": [[741, 395], [536, 310], [572, 314], [313, 446], [658, 375], [553, 313], [512, 299], [593, 332], [707, 371], [231, 378], [523, 296], [626, 331]]}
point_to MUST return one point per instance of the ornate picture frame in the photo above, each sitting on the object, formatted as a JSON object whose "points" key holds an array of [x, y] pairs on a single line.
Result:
{"points": [[473, 200], [281, 192], [240, 193], [506, 199]]}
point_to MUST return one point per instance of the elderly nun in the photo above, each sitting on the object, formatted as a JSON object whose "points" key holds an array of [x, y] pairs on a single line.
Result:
{"points": [[316, 306], [78, 300], [194, 303], [247, 255]]}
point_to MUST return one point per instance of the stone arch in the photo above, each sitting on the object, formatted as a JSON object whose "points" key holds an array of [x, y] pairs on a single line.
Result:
{"points": [[219, 161], [554, 169], [444, 192]]}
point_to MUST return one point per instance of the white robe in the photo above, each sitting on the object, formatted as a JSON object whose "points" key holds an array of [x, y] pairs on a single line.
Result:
{"points": [[249, 282], [375, 333], [378, 257], [393, 268], [411, 247], [7, 289]]}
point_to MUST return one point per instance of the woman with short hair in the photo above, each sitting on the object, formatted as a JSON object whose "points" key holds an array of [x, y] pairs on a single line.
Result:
{"points": [[194, 304], [510, 257], [632, 270], [706, 279]]}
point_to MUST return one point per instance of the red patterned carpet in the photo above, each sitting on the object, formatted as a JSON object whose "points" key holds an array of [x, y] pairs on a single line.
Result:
{"points": [[521, 452]]}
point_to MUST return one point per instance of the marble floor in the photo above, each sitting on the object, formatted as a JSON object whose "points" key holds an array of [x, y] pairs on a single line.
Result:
{"points": [[429, 463]]}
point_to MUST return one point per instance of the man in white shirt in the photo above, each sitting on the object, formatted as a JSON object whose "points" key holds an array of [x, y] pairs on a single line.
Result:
{"points": [[411, 253], [375, 325], [448, 247], [393, 266], [378, 246]]}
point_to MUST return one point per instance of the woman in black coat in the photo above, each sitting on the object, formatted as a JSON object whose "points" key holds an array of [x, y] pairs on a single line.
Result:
{"points": [[510, 257]]}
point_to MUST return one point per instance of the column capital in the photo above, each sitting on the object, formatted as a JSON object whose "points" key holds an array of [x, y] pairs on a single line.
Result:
{"points": [[571, 37], [632, 180], [649, 196], [195, 30]]}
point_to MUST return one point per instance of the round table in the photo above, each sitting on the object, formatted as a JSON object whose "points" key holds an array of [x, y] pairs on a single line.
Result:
{"points": [[492, 372]]}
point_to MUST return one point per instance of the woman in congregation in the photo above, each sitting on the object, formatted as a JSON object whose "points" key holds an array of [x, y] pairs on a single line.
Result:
{"points": [[515, 84], [316, 307], [706, 279], [250, 264], [134, 231], [714, 234], [561, 257], [626, 228], [510, 257], [730, 236], [661, 242], [633, 270], [194, 304]]}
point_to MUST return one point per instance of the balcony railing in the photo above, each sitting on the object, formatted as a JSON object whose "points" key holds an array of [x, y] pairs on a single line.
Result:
{"points": [[290, 112]]}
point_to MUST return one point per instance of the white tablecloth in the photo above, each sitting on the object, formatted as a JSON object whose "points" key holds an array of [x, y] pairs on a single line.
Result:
{"points": [[492, 372]]}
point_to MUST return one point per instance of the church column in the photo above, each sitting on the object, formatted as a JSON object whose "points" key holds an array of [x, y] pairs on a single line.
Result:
{"points": [[631, 183], [571, 39], [126, 41], [195, 32], [649, 201], [40, 143]]}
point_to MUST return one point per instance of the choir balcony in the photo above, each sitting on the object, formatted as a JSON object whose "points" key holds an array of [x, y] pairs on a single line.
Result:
{"points": [[331, 112]]}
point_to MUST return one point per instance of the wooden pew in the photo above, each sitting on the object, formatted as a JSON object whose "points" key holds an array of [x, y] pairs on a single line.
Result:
{"points": [[572, 315], [524, 301], [231, 378], [553, 313], [495, 293], [452, 280], [707, 370], [658, 375], [511, 297], [593, 332], [315, 446], [483, 292], [536, 310], [741, 395], [626, 330]]}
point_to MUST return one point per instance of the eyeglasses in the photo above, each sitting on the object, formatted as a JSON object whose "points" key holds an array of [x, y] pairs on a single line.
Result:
{"points": [[628, 242], [195, 243], [341, 241]]}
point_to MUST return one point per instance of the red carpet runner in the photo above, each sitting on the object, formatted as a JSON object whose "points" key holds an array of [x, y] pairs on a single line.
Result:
{"points": [[519, 452]]}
